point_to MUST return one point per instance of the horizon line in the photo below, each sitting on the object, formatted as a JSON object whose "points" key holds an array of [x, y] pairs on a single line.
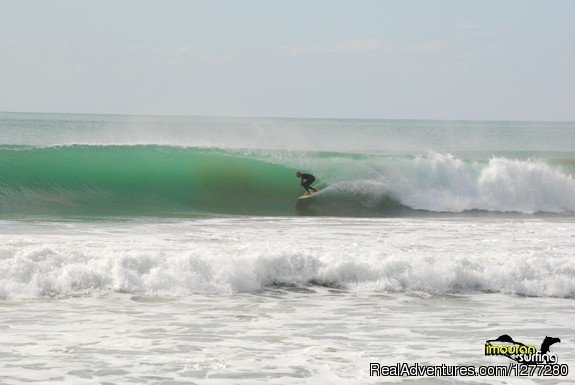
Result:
{"points": [[282, 117]]}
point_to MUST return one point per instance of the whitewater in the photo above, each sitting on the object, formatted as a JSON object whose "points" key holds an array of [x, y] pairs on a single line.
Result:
{"points": [[141, 249]]}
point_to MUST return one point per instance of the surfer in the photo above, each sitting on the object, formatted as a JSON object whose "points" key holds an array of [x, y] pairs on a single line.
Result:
{"points": [[306, 181]]}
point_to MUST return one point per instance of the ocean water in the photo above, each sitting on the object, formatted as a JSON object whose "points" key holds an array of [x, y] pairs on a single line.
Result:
{"points": [[172, 250]]}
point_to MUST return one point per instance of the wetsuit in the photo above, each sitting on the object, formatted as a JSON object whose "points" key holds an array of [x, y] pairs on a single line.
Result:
{"points": [[306, 181]]}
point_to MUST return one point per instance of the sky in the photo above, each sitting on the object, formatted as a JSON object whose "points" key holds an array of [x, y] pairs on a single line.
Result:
{"points": [[389, 59]]}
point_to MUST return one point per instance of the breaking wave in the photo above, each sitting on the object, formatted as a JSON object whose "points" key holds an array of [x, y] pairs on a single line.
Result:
{"points": [[39, 271], [151, 180]]}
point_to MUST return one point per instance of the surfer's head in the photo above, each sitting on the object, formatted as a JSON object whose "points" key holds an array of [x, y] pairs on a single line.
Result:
{"points": [[298, 174]]}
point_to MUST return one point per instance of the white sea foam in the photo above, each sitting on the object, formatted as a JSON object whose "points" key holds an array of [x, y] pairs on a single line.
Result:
{"points": [[433, 257], [444, 183]]}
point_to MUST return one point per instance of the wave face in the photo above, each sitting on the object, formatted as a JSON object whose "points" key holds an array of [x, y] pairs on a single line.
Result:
{"points": [[152, 180], [140, 180]]}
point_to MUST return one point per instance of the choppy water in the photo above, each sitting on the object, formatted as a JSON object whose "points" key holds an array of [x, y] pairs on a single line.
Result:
{"points": [[278, 336]]}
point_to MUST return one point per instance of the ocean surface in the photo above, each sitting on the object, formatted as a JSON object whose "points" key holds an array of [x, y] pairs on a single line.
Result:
{"points": [[173, 250]]}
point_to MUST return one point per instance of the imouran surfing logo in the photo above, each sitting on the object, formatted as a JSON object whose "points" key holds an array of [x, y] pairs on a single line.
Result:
{"points": [[528, 361], [505, 346]]}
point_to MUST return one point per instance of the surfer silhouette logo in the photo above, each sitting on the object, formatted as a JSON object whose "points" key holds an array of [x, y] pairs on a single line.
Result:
{"points": [[520, 352], [547, 342]]}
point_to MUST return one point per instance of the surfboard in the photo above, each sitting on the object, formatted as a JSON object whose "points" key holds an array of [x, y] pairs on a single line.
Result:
{"points": [[307, 196]]}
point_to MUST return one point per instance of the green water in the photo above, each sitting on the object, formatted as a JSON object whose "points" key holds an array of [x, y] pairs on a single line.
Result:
{"points": [[143, 180]]}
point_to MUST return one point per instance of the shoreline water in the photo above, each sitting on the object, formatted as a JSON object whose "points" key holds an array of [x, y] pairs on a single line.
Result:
{"points": [[310, 336]]}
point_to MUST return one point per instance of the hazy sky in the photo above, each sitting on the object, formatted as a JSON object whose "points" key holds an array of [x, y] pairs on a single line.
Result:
{"points": [[509, 60]]}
